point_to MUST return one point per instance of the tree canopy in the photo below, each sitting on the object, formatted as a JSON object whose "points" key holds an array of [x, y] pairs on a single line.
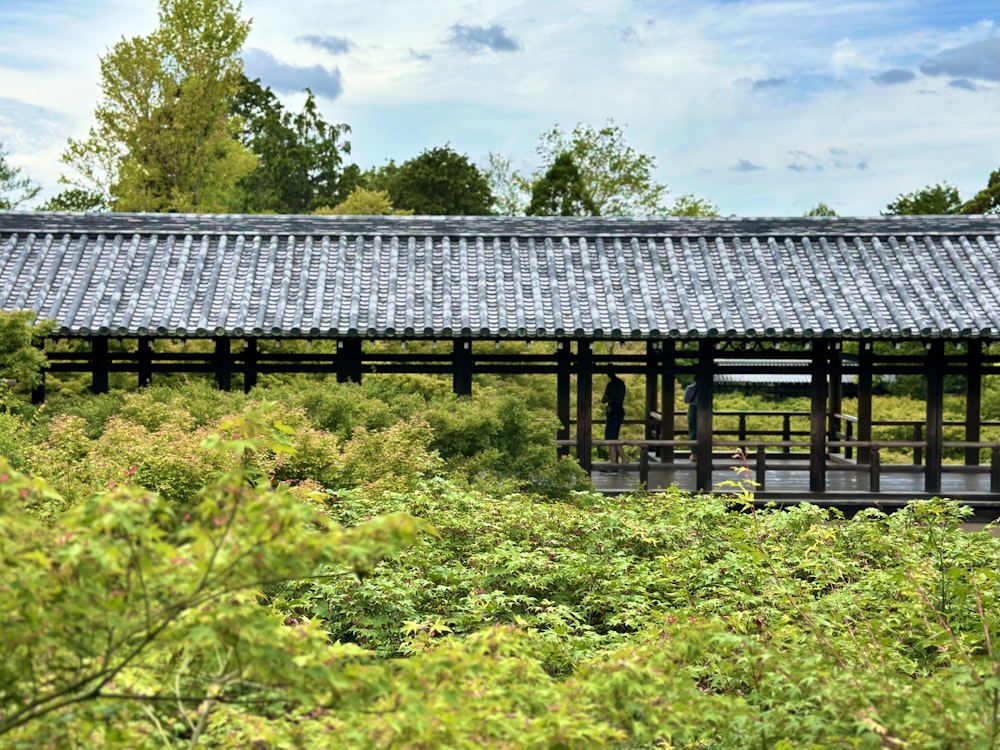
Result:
{"points": [[163, 139], [438, 182], [15, 188], [932, 200], [987, 200], [561, 191], [299, 156]]}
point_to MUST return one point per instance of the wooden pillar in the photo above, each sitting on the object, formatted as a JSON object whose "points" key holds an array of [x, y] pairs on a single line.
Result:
{"points": [[866, 361], [99, 364], [223, 363], [461, 380], [668, 377], [934, 369], [973, 399], [348, 362], [249, 365], [819, 373], [584, 403], [705, 379], [144, 364], [563, 366], [652, 376], [836, 400]]}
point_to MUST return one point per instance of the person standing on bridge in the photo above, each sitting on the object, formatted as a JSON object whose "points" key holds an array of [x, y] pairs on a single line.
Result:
{"points": [[614, 397]]}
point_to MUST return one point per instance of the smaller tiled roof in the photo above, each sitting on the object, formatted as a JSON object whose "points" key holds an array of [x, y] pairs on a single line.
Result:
{"points": [[492, 277]]}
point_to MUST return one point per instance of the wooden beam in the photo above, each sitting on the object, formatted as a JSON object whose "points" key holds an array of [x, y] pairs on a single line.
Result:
{"points": [[461, 381], [564, 363], [836, 400], [819, 373], [250, 370], [973, 399], [144, 360], [668, 379], [934, 458], [348, 360], [705, 379], [99, 364], [866, 362], [223, 362], [584, 403]]}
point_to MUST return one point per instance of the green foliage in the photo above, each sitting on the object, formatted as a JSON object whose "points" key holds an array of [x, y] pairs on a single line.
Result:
{"points": [[931, 200], [820, 209], [690, 205], [619, 179], [21, 362], [299, 157], [163, 139], [362, 202], [987, 200], [438, 182], [561, 191], [15, 189]]}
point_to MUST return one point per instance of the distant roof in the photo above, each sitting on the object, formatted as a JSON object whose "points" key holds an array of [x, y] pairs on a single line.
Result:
{"points": [[493, 277]]}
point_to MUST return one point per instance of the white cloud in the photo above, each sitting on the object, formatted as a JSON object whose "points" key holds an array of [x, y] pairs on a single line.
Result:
{"points": [[702, 86]]}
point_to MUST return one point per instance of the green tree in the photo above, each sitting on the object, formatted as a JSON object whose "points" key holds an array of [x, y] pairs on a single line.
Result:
{"points": [[561, 191], [619, 179], [20, 360], [438, 182], [363, 202], [299, 156], [163, 139], [987, 200], [690, 205], [820, 209], [932, 200], [511, 191], [15, 189]]}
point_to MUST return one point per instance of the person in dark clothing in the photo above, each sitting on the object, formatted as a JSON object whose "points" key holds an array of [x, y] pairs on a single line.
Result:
{"points": [[614, 397], [691, 399]]}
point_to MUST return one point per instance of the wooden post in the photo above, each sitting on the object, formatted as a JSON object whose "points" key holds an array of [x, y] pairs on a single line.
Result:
{"points": [[564, 363], [934, 369], [461, 381], [874, 470], [761, 469], [866, 361], [819, 372], [99, 364], [223, 359], [668, 353], [652, 373], [704, 377], [38, 392], [995, 469], [584, 403], [973, 399], [144, 365], [836, 399], [348, 361], [249, 365]]}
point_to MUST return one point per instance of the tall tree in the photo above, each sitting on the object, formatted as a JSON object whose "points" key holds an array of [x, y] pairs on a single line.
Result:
{"points": [[987, 200], [300, 156], [511, 190], [561, 191], [931, 200], [163, 139], [619, 179], [438, 182], [15, 189]]}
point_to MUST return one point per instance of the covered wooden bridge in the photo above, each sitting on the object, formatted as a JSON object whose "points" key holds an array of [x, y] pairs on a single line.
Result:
{"points": [[668, 299]]}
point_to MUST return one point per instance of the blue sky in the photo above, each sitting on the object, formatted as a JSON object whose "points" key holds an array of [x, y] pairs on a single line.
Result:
{"points": [[766, 107]]}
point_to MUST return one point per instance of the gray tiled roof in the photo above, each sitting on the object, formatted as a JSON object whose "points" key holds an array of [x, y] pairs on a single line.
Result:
{"points": [[318, 276]]}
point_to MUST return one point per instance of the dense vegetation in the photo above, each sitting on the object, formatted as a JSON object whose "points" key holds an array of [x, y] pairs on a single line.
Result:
{"points": [[391, 566]]}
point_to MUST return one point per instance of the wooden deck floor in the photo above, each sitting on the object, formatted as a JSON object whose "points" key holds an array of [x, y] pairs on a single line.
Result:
{"points": [[847, 490]]}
